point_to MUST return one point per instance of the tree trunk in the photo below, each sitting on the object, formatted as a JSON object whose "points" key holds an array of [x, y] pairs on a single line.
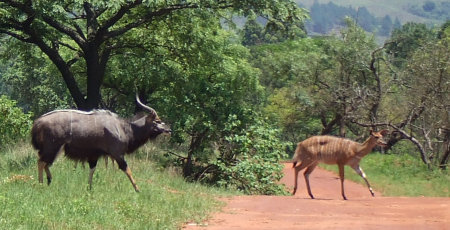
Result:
{"points": [[393, 139], [95, 72], [195, 146], [444, 160], [446, 147], [328, 127], [342, 130], [94, 81], [188, 167]]}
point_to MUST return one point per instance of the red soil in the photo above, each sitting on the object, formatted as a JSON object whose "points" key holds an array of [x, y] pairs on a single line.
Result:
{"points": [[328, 210]]}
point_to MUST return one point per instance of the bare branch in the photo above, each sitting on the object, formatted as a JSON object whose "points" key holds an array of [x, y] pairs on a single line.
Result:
{"points": [[410, 137], [177, 155], [423, 154]]}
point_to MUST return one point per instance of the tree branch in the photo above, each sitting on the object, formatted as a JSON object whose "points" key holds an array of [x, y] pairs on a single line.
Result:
{"points": [[147, 18], [74, 34], [423, 154], [419, 146], [16, 36], [120, 13]]}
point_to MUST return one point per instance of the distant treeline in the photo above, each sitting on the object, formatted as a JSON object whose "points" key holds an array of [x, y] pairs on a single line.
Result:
{"points": [[431, 10], [326, 17]]}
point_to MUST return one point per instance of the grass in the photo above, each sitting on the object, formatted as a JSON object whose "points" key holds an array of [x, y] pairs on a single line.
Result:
{"points": [[166, 201], [400, 175]]}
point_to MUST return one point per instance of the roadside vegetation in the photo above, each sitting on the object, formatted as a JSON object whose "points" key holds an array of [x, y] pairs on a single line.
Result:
{"points": [[166, 200]]}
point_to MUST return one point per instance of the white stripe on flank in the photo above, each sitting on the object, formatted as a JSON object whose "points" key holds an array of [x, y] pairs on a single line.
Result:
{"points": [[313, 145], [319, 149], [96, 111], [330, 148]]}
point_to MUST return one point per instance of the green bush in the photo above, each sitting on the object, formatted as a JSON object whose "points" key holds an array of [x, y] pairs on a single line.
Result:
{"points": [[250, 160], [14, 123]]}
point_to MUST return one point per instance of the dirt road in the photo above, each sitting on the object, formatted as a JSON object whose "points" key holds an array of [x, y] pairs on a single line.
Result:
{"points": [[328, 210]]}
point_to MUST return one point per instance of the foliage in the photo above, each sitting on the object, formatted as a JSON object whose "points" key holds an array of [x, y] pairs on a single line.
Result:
{"points": [[336, 84], [29, 78], [406, 40], [429, 67], [288, 71], [14, 123], [80, 37], [319, 85], [254, 33], [208, 80], [250, 160], [208, 84]]}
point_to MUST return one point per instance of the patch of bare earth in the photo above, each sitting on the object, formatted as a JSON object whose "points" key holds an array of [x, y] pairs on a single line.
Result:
{"points": [[328, 210]]}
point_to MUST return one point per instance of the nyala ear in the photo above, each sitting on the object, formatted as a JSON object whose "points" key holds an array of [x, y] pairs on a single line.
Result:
{"points": [[138, 116], [384, 132], [371, 131], [149, 118]]}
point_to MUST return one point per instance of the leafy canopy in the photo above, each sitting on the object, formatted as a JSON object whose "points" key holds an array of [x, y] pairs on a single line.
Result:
{"points": [[84, 35]]}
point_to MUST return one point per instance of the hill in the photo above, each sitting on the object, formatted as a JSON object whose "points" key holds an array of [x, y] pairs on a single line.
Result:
{"points": [[378, 17], [381, 8]]}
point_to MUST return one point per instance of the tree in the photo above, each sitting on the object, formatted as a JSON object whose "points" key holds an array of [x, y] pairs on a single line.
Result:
{"points": [[30, 78], [206, 99], [417, 107], [200, 81], [352, 82], [318, 86], [429, 6], [428, 78], [366, 20], [444, 32], [252, 33], [386, 26], [287, 72], [397, 23], [406, 40], [84, 35]]}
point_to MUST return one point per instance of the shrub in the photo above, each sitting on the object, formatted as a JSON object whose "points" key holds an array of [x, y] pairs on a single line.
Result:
{"points": [[250, 160], [14, 123]]}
